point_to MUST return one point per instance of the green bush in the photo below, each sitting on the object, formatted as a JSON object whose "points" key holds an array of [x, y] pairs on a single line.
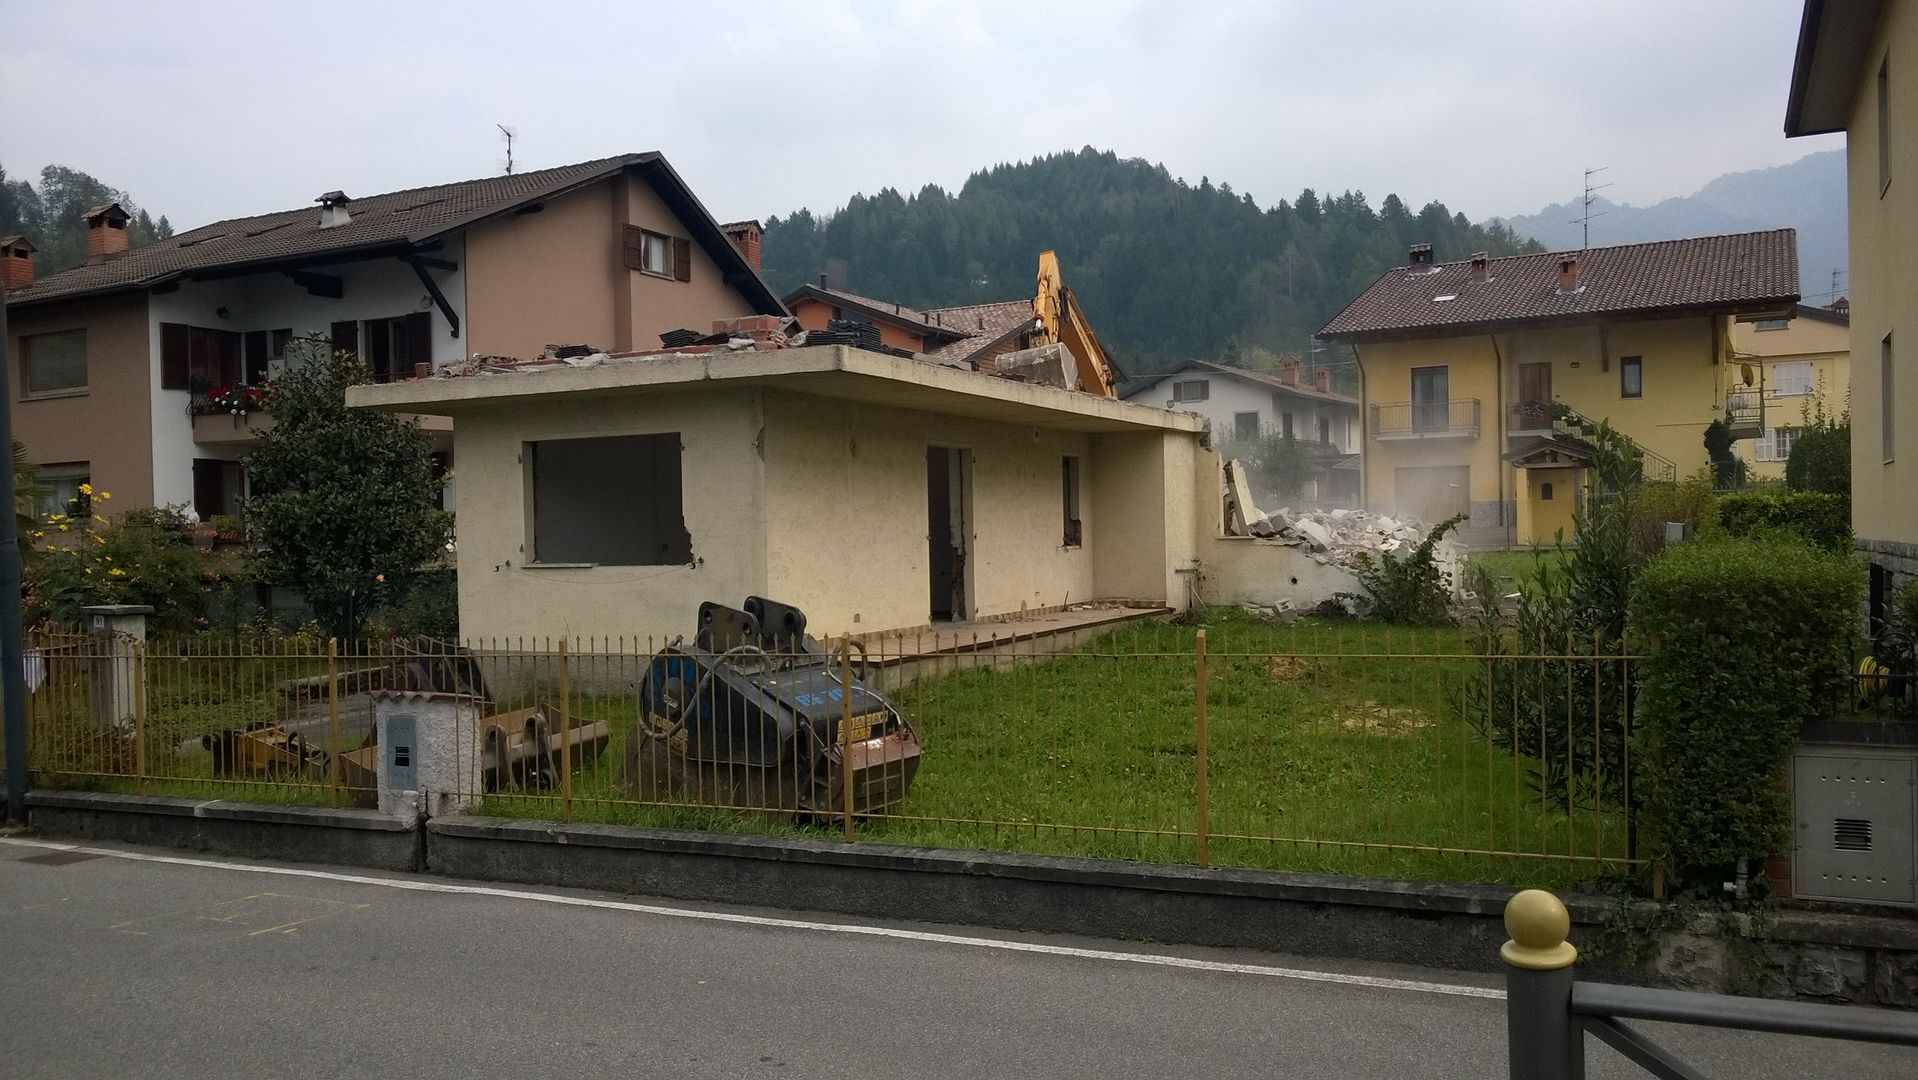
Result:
{"points": [[1744, 639], [1411, 590], [143, 557], [1658, 501], [1821, 457], [1819, 519]]}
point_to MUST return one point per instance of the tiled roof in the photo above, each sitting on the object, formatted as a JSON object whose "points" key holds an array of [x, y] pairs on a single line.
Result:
{"points": [[395, 220], [885, 309], [1742, 270], [1304, 389], [985, 324]]}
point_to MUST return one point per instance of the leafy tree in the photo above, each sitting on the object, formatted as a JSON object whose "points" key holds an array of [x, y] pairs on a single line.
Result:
{"points": [[344, 506], [1726, 468], [1821, 458], [50, 215], [27, 493]]}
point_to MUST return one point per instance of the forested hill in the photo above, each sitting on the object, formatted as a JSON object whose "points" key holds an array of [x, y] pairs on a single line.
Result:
{"points": [[1166, 269]]}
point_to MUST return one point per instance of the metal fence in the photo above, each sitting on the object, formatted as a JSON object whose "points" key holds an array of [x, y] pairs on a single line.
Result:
{"points": [[1326, 746]]}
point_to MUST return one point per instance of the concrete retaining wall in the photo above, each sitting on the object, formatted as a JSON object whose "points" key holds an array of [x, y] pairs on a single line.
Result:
{"points": [[250, 830]]}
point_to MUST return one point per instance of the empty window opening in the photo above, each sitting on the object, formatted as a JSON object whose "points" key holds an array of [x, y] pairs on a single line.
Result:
{"points": [[1325, 429], [612, 501], [1069, 487], [1285, 425], [392, 346], [1245, 425], [1631, 376], [219, 487]]}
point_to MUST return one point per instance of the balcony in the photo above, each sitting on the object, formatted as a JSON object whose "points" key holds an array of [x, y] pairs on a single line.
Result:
{"points": [[1529, 418], [1745, 412], [1454, 419]]}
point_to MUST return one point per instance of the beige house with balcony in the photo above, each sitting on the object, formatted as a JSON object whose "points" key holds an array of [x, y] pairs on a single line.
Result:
{"points": [[122, 361], [1476, 376], [1799, 368]]}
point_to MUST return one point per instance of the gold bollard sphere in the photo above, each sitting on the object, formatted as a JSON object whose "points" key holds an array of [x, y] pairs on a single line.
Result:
{"points": [[1538, 924]]}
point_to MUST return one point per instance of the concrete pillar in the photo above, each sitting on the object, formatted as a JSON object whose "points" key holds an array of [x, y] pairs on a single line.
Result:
{"points": [[429, 752], [119, 648]]}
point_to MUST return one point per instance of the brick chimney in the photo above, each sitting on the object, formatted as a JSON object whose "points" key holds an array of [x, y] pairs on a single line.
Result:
{"points": [[1289, 369], [334, 210], [1419, 259], [106, 232], [16, 263], [1568, 273], [1481, 267], [745, 236], [1322, 378]]}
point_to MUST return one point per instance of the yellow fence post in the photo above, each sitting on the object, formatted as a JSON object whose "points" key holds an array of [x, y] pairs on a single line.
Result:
{"points": [[333, 718], [845, 730], [140, 716], [1199, 724], [565, 737]]}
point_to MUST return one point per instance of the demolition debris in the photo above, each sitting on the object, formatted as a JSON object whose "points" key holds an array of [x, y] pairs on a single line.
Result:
{"points": [[1331, 537]]}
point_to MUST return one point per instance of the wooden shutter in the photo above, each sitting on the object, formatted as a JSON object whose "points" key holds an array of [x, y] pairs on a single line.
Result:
{"points": [[257, 344], [419, 342], [682, 259], [632, 248], [226, 356], [173, 356], [346, 336]]}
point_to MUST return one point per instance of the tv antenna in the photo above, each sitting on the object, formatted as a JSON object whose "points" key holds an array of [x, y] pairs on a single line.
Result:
{"points": [[1836, 273], [510, 136], [1584, 220]]}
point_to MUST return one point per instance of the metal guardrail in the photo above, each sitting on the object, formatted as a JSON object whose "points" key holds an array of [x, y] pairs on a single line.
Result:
{"points": [[1454, 418], [1548, 1011]]}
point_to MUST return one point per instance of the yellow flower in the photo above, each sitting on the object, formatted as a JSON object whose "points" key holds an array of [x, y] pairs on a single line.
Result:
{"points": [[89, 569], [63, 528], [86, 489], [117, 572], [102, 495]]}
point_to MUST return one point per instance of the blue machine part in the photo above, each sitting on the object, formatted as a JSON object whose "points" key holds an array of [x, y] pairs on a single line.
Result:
{"points": [[751, 717]]}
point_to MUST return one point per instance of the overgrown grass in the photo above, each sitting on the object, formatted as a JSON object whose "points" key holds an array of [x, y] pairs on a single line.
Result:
{"points": [[1516, 567]]}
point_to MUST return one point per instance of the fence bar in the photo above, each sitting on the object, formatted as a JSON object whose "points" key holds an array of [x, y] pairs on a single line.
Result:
{"points": [[1543, 1041], [140, 717], [1198, 715], [1747, 1014], [565, 736], [333, 719]]}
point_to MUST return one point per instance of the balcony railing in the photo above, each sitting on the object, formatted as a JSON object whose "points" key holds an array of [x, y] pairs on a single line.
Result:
{"points": [[1528, 416], [1745, 411], [1457, 418]]}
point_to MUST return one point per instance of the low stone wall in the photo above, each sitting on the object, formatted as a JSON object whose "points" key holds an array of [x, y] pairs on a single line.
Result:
{"points": [[1900, 558]]}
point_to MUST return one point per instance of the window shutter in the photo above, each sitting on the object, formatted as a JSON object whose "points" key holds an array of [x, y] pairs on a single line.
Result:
{"points": [[257, 344], [682, 259], [630, 249], [346, 336], [226, 352], [173, 356]]}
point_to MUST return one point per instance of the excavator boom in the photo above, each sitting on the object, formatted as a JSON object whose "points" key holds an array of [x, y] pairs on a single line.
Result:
{"points": [[1060, 321]]}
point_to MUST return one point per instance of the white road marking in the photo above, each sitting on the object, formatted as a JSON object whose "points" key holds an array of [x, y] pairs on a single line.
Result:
{"points": [[1373, 982]]}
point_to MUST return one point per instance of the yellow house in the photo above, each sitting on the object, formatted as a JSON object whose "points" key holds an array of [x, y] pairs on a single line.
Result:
{"points": [[1476, 377], [1857, 72], [1802, 367]]}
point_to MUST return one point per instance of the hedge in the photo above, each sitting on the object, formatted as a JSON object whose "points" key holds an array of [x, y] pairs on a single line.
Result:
{"points": [[1744, 640], [1820, 519]]}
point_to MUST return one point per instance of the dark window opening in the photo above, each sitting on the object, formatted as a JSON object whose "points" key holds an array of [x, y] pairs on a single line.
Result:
{"points": [[1545, 493], [1631, 376], [1431, 398], [1325, 429], [1069, 487], [219, 487], [393, 346], [1285, 425], [55, 363], [264, 348], [1245, 425], [612, 501]]}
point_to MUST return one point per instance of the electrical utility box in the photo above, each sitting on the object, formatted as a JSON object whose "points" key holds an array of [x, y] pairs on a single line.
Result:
{"points": [[1857, 825], [429, 752]]}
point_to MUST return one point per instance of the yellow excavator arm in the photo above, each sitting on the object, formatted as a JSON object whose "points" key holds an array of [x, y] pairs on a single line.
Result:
{"points": [[1058, 320]]}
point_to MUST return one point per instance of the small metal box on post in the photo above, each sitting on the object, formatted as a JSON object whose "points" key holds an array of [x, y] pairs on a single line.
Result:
{"points": [[430, 758], [119, 642]]}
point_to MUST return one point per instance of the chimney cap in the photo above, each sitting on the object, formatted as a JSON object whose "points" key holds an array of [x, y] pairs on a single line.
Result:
{"points": [[17, 243], [110, 211], [334, 198]]}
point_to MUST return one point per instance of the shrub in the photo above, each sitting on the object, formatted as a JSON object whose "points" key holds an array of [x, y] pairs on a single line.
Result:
{"points": [[1821, 520], [1727, 469], [1745, 639], [428, 607], [1821, 458], [143, 557], [1409, 590], [1690, 501]]}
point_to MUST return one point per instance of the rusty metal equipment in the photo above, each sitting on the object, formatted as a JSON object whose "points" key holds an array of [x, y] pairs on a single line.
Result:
{"points": [[753, 713]]}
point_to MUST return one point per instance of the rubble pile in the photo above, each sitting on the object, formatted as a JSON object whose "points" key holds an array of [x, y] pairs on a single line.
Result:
{"points": [[1333, 537]]}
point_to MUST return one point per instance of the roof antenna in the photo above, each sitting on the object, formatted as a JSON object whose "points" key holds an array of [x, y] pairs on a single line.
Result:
{"points": [[1584, 220], [510, 136]]}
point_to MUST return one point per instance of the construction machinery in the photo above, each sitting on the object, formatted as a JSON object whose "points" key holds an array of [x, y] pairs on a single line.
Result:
{"points": [[755, 713], [1058, 320]]}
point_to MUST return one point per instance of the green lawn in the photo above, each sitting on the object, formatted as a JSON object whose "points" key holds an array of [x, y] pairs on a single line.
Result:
{"points": [[1513, 568]]}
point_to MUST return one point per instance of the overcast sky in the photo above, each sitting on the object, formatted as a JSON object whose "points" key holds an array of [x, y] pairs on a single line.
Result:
{"points": [[208, 110]]}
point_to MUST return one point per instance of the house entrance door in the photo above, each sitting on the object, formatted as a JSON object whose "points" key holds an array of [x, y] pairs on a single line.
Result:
{"points": [[948, 500]]}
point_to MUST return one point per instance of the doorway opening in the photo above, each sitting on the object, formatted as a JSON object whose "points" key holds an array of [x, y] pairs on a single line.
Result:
{"points": [[948, 530]]}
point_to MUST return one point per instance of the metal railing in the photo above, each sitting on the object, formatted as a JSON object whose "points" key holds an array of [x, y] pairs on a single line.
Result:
{"points": [[1548, 1011], [1333, 747], [1453, 418]]}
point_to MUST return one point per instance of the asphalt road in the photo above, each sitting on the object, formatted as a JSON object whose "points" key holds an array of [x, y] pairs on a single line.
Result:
{"points": [[121, 963]]}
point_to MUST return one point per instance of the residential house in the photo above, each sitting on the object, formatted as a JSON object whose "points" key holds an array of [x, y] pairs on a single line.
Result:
{"points": [[970, 335], [1476, 376], [1244, 406], [116, 357], [1857, 72], [1801, 368]]}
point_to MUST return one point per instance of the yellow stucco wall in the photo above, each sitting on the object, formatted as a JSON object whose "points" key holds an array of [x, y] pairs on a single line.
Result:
{"points": [[1884, 284], [1827, 345], [1683, 391], [1542, 520]]}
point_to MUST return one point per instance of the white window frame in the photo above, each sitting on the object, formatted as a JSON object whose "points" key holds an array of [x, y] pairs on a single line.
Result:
{"points": [[1183, 390], [63, 483], [1776, 443], [1794, 386]]}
